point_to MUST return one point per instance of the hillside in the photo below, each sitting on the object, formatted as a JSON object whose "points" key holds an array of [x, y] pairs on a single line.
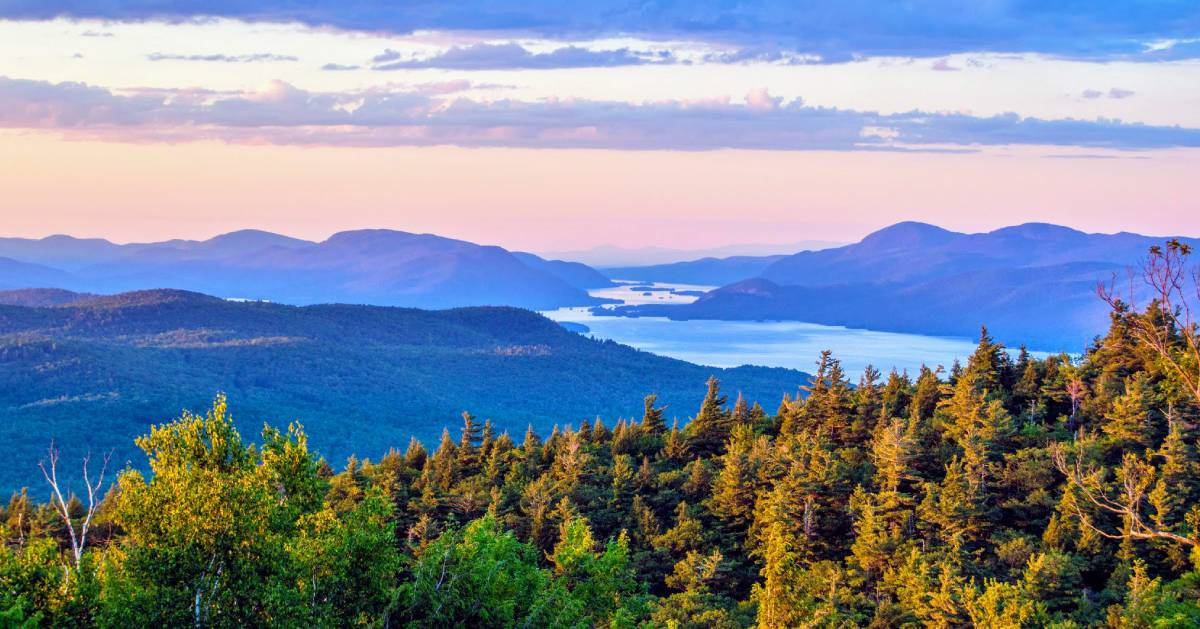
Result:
{"points": [[381, 267], [1030, 284], [99, 370]]}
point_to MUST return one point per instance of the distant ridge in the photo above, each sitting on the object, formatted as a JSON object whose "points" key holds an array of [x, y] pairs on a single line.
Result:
{"points": [[1030, 284], [41, 297], [705, 271], [377, 266]]}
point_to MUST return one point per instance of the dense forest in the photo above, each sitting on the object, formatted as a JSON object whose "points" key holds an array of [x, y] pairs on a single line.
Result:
{"points": [[93, 372], [1007, 491]]}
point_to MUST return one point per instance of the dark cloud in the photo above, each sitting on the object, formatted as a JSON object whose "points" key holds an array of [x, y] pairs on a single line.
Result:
{"points": [[761, 54], [386, 56], [221, 58], [832, 29], [283, 114], [513, 56]]}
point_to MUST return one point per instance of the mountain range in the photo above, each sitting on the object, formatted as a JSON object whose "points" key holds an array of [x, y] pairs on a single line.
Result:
{"points": [[608, 257], [380, 267], [1032, 284], [92, 372]]}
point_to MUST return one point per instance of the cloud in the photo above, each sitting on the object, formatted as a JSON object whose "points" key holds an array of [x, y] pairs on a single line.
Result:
{"points": [[221, 58], [1116, 92], [337, 67], [386, 56], [761, 99], [831, 29], [761, 54], [943, 65], [513, 56], [283, 114], [444, 87], [96, 34]]}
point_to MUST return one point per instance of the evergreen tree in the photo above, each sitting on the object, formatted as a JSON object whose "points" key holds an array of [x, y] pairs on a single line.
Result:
{"points": [[709, 430]]}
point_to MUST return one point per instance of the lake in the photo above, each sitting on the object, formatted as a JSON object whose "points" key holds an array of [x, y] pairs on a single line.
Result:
{"points": [[791, 344]]}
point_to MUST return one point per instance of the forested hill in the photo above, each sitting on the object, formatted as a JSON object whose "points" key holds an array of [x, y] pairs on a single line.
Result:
{"points": [[96, 371]]}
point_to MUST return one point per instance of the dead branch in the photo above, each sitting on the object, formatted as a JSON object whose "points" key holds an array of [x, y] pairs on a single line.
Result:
{"points": [[1135, 478], [78, 534], [1172, 334]]}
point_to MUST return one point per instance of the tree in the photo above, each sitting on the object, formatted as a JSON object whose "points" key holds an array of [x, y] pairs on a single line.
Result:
{"points": [[476, 576], [224, 534], [709, 430], [1128, 501], [652, 417], [78, 534], [1169, 329]]}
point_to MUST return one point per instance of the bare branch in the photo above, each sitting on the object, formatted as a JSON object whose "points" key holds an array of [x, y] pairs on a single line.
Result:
{"points": [[1172, 334], [78, 535], [1135, 479]]}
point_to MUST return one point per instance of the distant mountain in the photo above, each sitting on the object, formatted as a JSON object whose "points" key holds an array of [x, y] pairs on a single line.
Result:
{"points": [[910, 252], [1033, 284], [704, 272], [576, 274], [381, 267], [99, 370], [72, 254], [609, 256], [17, 274], [41, 297]]}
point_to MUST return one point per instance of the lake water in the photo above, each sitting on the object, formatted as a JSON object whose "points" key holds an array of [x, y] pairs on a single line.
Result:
{"points": [[790, 344]]}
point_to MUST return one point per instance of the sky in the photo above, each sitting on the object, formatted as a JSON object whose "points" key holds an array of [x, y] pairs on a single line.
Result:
{"points": [[561, 126]]}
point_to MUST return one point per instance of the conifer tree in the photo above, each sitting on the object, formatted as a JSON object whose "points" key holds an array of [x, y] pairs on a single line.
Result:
{"points": [[709, 430], [652, 418]]}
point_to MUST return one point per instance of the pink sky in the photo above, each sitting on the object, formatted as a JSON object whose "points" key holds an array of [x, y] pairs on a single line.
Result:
{"points": [[547, 199], [150, 129]]}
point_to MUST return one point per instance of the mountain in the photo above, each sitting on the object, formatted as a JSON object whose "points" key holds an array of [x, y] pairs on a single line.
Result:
{"points": [[1032, 284], [704, 272], [17, 274], [609, 256], [61, 251], [72, 254], [99, 370], [576, 274], [913, 252], [381, 267]]}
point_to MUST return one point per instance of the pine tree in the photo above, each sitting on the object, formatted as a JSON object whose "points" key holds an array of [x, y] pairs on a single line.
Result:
{"points": [[469, 444], [652, 418], [741, 411], [675, 446], [709, 430], [1129, 425]]}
